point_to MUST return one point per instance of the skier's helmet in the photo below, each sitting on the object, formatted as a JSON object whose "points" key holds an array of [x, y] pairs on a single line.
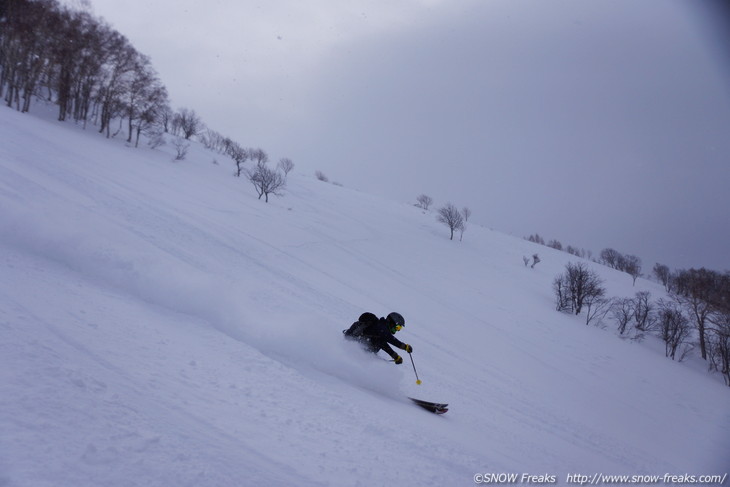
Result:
{"points": [[396, 321]]}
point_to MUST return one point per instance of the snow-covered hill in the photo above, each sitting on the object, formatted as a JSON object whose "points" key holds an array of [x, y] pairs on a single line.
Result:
{"points": [[161, 326]]}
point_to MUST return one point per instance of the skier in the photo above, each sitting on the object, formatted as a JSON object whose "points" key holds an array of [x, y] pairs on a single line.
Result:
{"points": [[376, 334]]}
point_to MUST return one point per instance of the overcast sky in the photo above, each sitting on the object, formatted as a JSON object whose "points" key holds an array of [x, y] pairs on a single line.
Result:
{"points": [[599, 123]]}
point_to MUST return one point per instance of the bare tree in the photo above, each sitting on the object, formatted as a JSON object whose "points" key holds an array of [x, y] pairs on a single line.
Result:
{"points": [[555, 245], [238, 154], [40, 46], [92, 54], [622, 311], [423, 201], [466, 213], [535, 260], [116, 77], [156, 136], [76, 38], [597, 308], [181, 148], [215, 141], [462, 229], [450, 216], [146, 98], [93, 72], [259, 156], [167, 117], [577, 286], [562, 293], [611, 258], [190, 123], [662, 274], [643, 311], [141, 76], [266, 181], [25, 48], [673, 325], [632, 266], [719, 344], [536, 238], [286, 165], [696, 292], [176, 124], [154, 102], [637, 311]]}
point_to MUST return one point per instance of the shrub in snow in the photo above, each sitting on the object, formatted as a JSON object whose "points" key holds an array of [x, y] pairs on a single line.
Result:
{"points": [[535, 260], [181, 148]]}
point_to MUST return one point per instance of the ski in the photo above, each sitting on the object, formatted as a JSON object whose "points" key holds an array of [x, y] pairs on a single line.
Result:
{"points": [[434, 407]]}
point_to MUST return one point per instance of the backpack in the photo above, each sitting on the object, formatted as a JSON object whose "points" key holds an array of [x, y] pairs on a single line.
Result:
{"points": [[357, 328]]}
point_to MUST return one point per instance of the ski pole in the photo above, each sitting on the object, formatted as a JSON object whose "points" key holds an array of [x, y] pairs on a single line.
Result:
{"points": [[418, 381]]}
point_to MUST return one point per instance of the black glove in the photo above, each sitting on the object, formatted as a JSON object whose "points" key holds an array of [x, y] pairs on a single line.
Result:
{"points": [[398, 359], [407, 348]]}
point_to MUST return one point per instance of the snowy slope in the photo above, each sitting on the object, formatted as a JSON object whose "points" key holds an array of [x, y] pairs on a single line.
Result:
{"points": [[161, 326]]}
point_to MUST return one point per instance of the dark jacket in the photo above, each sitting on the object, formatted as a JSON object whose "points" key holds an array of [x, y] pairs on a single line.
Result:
{"points": [[374, 334]]}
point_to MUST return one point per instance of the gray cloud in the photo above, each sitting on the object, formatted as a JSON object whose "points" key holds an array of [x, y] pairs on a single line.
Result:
{"points": [[597, 123]]}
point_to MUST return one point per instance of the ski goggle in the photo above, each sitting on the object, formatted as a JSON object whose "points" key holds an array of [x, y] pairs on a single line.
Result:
{"points": [[396, 328]]}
